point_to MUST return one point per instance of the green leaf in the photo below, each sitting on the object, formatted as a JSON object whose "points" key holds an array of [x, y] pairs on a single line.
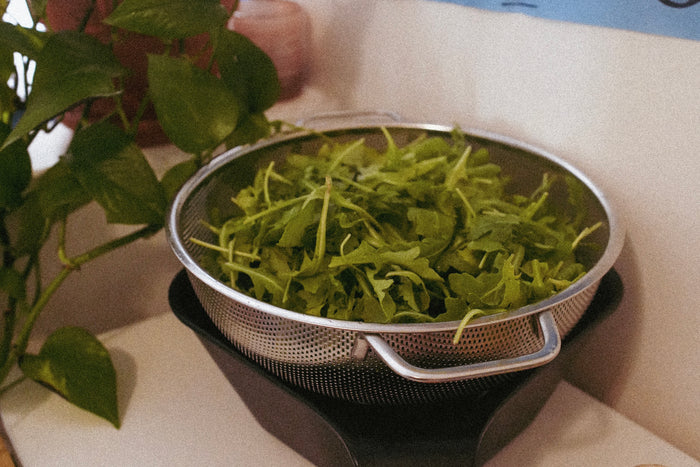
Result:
{"points": [[71, 68], [298, 221], [15, 171], [430, 223], [59, 192], [74, 364], [176, 176], [114, 171], [38, 9], [24, 41], [411, 260], [247, 70], [32, 225], [381, 289], [400, 245], [251, 128], [169, 19], [196, 110]]}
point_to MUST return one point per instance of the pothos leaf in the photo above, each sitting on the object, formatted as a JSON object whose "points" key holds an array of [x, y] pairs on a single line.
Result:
{"points": [[59, 192], [176, 176], [15, 171], [70, 68], [117, 175], [247, 70], [25, 41], [183, 94], [169, 19], [251, 128], [74, 364]]}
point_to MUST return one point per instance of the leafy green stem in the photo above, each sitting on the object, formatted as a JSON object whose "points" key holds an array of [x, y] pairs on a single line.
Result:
{"points": [[9, 322], [22, 341], [277, 207], [143, 105], [584, 233], [62, 244], [266, 184], [20, 345], [459, 170], [86, 17], [320, 249], [253, 272]]}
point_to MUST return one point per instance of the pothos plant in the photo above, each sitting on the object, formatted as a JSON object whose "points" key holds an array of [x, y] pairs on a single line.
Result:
{"points": [[209, 86]]}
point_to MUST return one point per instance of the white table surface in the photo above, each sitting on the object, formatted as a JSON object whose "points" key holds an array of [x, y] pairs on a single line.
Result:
{"points": [[178, 409]]}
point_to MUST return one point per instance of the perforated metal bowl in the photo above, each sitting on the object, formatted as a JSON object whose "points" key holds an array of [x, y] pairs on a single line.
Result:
{"points": [[385, 363]]}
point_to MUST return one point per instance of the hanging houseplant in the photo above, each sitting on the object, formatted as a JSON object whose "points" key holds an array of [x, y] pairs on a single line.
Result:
{"points": [[205, 87]]}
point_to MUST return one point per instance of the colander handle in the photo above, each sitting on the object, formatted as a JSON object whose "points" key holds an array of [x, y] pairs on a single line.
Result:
{"points": [[549, 350]]}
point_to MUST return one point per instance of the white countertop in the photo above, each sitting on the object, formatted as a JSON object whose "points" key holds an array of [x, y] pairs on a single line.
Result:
{"points": [[178, 409]]}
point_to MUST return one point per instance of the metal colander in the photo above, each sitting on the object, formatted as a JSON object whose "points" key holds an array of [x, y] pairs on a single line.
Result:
{"points": [[385, 363]]}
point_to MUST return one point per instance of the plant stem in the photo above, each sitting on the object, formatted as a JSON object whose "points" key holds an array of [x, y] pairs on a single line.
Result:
{"points": [[22, 341], [9, 319], [9, 315]]}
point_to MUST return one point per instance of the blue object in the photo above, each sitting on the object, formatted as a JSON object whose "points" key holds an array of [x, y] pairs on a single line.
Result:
{"points": [[675, 18]]}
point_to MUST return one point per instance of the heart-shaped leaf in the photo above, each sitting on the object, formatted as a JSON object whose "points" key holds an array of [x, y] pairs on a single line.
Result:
{"points": [[71, 68], [74, 364], [22, 40], [169, 19], [114, 171], [59, 192], [196, 109], [31, 228], [248, 70], [176, 176], [15, 171], [250, 129]]}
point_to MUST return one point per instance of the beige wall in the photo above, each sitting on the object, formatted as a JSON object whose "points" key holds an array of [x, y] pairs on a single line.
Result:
{"points": [[623, 106]]}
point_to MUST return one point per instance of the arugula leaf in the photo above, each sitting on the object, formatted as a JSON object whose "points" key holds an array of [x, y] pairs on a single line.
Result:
{"points": [[417, 233]]}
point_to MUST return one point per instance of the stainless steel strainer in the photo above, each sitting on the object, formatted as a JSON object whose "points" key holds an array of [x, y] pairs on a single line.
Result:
{"points": [[385, 363]]}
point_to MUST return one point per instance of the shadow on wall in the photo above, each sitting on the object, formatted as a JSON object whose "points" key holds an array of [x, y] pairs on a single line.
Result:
{"points": [[603, 359], [407, 57], [336, 58], [117, 289]]}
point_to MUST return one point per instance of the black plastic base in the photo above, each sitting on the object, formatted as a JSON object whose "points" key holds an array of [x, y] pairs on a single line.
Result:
{"points": [[331, 432]]}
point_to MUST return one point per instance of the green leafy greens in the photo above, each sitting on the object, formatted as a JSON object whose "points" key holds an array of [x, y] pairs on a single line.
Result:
{"points": [[421, 233]]}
